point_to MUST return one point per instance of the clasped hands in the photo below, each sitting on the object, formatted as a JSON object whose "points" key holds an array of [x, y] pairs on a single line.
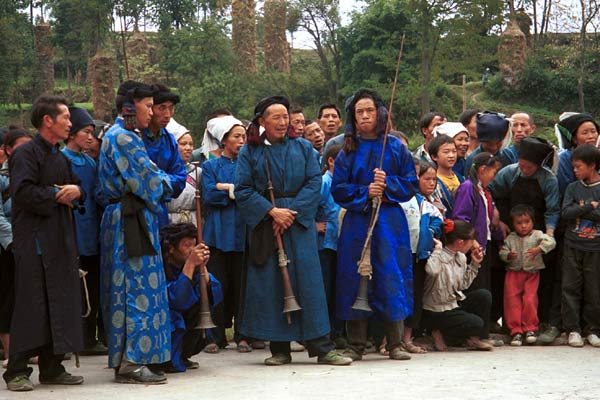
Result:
{"points": [[67, 194], [377, 187], [283, 218]]}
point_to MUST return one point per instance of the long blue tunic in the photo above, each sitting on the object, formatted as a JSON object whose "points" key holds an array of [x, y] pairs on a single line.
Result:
{"points": [[224, 228], [183, 294], [294, 170], [164, 152], [133, 294], [86, 224], [390, 290]]}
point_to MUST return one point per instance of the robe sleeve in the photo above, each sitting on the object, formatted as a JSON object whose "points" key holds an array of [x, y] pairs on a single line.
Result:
{"points": [[348, 194], [552, 197], [252, 205], [182, 293], [211, 195], [176, 168], [434, 263], [403, 185], [464, 203], [24, 187], [306, 201]]}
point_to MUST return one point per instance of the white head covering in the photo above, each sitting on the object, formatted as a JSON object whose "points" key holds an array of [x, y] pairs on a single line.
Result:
{"points": [[216, 129], [176, 129], [450, 128]]}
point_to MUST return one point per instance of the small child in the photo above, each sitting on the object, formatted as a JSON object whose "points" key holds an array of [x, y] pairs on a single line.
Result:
{"points": [[522, 250], [446, 310], [424, 224], [581, 256], [443, 151]]}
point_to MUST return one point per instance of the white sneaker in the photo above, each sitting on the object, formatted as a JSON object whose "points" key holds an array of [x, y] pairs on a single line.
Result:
{"points": [[575, 339], [593, 339]]}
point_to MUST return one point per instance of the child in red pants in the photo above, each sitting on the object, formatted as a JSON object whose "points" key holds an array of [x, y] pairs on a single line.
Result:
{"points": [[522, 250]]}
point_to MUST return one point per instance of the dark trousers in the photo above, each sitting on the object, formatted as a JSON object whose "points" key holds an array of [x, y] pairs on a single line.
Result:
{"points": [[546, 288], [328, 260], [471, 318], [357, 334], [227, 268], [7, 290], [50, 364], [93, 328], [414, 321], [555, 312], [497, 278], [316, 347], [194, 340], [581, 291]]}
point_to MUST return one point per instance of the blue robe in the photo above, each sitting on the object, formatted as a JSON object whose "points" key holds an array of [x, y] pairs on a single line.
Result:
{"points": [[165, 154], [86, 224], [183, 295], [390, 291], [133, 293], [294, 170], [223, 225]]}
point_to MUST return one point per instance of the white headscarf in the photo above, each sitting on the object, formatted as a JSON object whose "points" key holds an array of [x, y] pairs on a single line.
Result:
{"points": [[216, 129], [450, 128], [176, 129]]}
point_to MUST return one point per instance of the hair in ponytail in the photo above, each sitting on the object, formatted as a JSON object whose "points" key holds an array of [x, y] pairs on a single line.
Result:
{"points": [[456, 229]]}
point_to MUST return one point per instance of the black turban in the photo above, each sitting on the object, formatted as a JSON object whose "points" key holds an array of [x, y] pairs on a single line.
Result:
{"points": [[535, 149]]}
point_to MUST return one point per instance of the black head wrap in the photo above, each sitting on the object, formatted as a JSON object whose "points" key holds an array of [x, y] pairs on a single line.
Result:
{"points": [[253, 131], [162, 94], [173, 233], [537, 150], [568, 127]]}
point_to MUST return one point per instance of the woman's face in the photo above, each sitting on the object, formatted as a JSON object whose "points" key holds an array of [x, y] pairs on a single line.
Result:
{"points": [[84, 137], [586, 134], [234, 140], [185, 144], [527, 167], [19, 142], [462, 144], [276, 120]]}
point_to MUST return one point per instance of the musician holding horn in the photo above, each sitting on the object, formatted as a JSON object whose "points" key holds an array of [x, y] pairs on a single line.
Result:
{"points": [[278, 159], [366, 169]]}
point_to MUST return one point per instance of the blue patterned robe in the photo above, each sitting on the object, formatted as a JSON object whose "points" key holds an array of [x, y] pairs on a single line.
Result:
{"points": [[390, 290], [294, 170], [133, 294]]}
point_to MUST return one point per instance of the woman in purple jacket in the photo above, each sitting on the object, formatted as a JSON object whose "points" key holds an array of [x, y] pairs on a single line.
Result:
{"points": [[473, 204]]}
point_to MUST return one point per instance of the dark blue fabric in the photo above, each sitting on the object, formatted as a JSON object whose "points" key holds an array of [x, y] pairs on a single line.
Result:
{"points": [[294, 169], [224, 227], [328, 211], [390, 290]]}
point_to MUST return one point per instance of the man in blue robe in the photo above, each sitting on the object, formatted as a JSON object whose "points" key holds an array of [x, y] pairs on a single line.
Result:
{"points": [[162, 146], [296, 181], [184, 259], [133, 295], [357, 180]]}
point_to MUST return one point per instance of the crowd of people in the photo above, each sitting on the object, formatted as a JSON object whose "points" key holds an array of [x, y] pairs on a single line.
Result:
{"points": [[124, 240]]}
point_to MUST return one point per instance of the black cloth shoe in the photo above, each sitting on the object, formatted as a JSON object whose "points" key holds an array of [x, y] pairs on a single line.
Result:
{"points": [[142, 375], [189, 364], [64, 378]]}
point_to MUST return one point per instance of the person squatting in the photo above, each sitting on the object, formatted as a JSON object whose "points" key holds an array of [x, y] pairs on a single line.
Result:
{"points": [[283, 231]]}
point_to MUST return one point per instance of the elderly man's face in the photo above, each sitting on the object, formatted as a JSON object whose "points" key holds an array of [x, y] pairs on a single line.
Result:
{"points": [[298, 121], [275, 121], [521, 127]]}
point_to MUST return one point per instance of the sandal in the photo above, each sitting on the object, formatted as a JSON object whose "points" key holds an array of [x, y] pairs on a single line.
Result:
{"points": [[211, 348], [414, 349], [243, 347]]}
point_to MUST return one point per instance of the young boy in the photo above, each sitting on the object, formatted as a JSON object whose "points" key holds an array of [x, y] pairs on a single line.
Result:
{"points": [[522, 250], [443, 151], [581, 259]]}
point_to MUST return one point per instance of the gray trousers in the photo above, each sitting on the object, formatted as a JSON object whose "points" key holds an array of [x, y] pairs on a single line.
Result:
{"points": [[581, 291]]}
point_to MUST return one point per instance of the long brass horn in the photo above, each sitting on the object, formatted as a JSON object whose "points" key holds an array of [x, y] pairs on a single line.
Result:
{"points": [[289, 299], [205, 320], [365, 269]]}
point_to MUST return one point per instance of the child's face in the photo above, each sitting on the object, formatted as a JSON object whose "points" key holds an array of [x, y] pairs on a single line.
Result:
{"points": [[583, 171], [523, 224], [486, 174], [464, 246], [446, 156], [427, 182]]}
